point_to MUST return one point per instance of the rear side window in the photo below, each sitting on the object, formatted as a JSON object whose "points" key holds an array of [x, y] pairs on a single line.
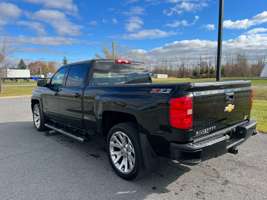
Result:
{"points": [[76, 76]]}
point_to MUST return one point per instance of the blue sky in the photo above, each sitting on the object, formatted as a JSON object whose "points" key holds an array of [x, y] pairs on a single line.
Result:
{"points": [[77, 29]]}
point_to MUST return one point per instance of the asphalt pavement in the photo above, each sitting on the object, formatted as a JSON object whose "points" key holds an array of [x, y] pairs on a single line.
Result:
{"points": [[34, 166]]}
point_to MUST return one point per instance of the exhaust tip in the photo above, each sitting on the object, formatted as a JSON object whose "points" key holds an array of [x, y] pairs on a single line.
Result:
{"points": [[255, 133], [233, 151]]}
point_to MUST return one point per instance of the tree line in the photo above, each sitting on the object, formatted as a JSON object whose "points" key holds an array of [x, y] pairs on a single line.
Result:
{"points": [[235, 66], [238, 67], [38, 67]]}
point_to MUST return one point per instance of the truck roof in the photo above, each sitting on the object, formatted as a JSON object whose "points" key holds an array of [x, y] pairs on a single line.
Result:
{"points": [[102, 61]]}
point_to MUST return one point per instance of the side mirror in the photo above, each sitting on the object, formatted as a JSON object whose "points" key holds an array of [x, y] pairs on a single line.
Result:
{"points": [[42, 83]]}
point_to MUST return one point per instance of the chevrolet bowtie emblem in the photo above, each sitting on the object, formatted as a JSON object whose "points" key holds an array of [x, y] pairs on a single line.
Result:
{"points": [[229, 108]]}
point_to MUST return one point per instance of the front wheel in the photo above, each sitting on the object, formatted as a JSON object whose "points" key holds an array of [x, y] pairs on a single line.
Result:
{"points": [[38, 118], [125, 151]]}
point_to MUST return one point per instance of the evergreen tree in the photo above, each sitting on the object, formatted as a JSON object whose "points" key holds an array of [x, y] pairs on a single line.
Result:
{"points": [[223, 71], [195, 73], [202, 70], [22, 64], [65, 61], [212, 72]]}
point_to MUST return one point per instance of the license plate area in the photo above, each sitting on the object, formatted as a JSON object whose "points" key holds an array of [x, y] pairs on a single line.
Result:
{"points": [[214, 151]]}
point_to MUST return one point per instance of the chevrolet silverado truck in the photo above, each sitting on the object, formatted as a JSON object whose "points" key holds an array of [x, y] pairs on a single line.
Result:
{"points": [[140, 120]]}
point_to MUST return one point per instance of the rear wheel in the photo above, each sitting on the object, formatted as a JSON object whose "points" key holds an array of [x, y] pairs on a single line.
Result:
{"points": [[125, 151], [38, 117]]}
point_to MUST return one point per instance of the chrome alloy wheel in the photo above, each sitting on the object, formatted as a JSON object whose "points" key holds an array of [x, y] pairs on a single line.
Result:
{"points": [[36, 116], [122, 152]]}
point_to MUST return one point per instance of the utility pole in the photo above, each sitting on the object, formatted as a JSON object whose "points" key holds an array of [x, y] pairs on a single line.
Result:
{"points": [[1, 85], [113, 50], [220, 38]]}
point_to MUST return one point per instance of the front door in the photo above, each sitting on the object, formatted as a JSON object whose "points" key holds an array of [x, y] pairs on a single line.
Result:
{"points": [[51, 100]]}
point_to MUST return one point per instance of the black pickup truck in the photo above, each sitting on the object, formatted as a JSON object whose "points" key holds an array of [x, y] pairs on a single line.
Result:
{"points": [[186, 122]]}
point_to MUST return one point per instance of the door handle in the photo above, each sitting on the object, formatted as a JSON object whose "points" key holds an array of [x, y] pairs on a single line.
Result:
{"points": [[230, 97], [57, 92]]}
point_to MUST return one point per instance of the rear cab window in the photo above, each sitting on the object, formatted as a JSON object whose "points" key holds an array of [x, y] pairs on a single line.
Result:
{"points": [[107, 73]]}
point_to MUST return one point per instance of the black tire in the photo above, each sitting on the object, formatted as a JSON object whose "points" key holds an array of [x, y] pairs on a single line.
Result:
{"points": [[130, 130], [41, 125]]}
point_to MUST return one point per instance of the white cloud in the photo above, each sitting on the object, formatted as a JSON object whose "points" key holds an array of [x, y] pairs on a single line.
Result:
{"points": [[8, 12], [182, 6], [41, 40], [178, 23], [139, 51], [36, 26], [114, 21], [253, 44], [67, 5], [131, 1], [258, 19], [58, 21], [137, 10], [257, 30], [134, 24], [148, 34], [210, 27], [93, 23], [182, 23]]}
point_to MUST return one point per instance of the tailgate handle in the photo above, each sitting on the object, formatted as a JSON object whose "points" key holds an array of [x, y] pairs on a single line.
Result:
{"points": [[229, 96]]}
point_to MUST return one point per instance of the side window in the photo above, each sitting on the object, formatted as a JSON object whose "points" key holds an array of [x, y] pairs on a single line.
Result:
{"points": [[76, 76], [58, 79]]}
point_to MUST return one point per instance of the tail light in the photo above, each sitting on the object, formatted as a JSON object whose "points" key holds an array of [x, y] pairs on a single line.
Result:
{"points": [[181, 113], [122, 61]]}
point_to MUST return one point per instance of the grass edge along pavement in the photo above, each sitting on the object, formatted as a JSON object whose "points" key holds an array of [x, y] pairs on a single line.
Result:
{"points": [[259, 111]]}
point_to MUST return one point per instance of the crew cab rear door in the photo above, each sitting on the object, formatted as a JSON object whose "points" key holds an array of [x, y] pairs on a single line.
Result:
{"points": [[71, 95]]}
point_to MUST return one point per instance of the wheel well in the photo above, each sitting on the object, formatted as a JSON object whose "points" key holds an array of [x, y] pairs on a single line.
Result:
{"points": [[34, 101], [111, 118]]}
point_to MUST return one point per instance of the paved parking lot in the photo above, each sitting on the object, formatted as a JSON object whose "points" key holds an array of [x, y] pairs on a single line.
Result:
{"points": [[34, 166]]}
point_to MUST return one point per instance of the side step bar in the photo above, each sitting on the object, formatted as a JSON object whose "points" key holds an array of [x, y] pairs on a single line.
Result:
{"points": [[80, 139]]}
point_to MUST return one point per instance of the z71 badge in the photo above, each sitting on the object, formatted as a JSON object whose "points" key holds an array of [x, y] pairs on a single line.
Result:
{"points": [[161, 91]]}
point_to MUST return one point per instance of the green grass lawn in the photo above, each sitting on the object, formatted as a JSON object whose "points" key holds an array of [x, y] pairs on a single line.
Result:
{"points": [[259, 112], [255, 81], [19, 89]]}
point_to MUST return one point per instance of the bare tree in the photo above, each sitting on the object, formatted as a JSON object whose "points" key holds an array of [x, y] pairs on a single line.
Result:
{"points": [[107, 53], [2, 59], [5, 52]]}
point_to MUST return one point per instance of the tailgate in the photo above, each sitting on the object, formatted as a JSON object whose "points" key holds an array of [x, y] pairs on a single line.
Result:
{"points": [[218, 105]]}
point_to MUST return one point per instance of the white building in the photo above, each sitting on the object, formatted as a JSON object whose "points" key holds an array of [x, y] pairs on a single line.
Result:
{"points": [[161, 76], [264, 72], [15, 73]]}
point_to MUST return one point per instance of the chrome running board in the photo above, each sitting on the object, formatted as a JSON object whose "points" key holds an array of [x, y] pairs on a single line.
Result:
{"points": [[80, 139]]}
